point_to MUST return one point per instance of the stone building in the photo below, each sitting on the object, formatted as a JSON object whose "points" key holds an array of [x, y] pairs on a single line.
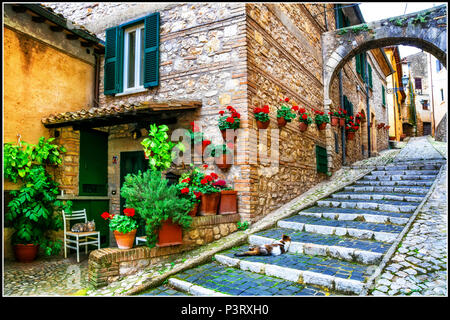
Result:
{"points": [[438, 82], [202, 58], [395, 95]]}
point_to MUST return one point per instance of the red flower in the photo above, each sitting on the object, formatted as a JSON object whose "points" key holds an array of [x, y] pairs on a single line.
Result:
{"points": [[235, 115], [257, 110], [221, 112], [351, 117], [295, 108], [129, 212], [185, 190], [213, 175], [206, 143], [358, 121], [203, 181], [345, 111], [197, 194], [302, 110], [286, 99], [205, 166], [209, 178], [195, 128], [265, 109], [187, 180], [230, 119], [330, 113], [304, 116], [105, 215], [230, 108]]}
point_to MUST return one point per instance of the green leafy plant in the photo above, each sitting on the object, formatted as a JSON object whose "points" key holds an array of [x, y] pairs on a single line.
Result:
{"points": [[304, 116], [286, 112], [242, 225], [159, 149], [219, 150], [320, 117], [155, 202], [33, 211]]}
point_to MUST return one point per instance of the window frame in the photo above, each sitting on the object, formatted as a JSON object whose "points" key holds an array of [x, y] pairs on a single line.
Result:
{"points": [[139, 29]]}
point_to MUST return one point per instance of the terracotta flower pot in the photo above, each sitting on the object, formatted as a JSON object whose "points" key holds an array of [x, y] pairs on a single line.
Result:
{"points": [[303, 126], [170, 234], [25, 252], [223, 159], [224, 135], [194, 210], [350, 135], [334, 121], [342, 122], [228, 202], [262, 125], [281, 122], [209, 203], [125, 240], [322, 126]]}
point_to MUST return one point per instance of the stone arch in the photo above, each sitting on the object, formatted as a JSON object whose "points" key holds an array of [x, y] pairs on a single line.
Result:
{"points": [[339, 46]]}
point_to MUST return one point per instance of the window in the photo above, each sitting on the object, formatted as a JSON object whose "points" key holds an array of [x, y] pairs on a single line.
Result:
{"points": [[342, 20], [132, 56], [438, 66], [321, 159], [418, 83], [442, 94], [383, 96], [348, 106], [361, 61], [424, 104], [370, 75]]}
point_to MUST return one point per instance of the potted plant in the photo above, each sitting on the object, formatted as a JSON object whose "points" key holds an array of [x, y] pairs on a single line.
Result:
{"points": [[229, 119], [342, 116], [304, 119], [285, 114], [351, 128], [32, 212], [159, 149], [262, 117], [228, 198], [220, 154], [162, 208], [187, 188], [123, 226], [337, 117], [195, 135], [210, 194], [321, 119]]}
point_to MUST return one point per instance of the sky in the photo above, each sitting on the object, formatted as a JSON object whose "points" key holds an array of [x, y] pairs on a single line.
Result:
{"points": [[373, 11]]}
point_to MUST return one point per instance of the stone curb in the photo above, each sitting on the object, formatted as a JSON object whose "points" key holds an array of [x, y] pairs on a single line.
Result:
{"points": [[193, 289], [308, 199], [391, 251], [294, 275], [337, 252]]}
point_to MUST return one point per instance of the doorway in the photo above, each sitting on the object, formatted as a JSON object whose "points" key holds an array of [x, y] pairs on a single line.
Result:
{"points": [[426, 128]]}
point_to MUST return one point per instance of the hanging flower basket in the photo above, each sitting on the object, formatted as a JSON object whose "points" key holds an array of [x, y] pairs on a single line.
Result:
{"points": [[322, 126], [262, 117], [262, 125], [334, 121], [342, 122], [350, 135], [281, 122], [303, 126]]}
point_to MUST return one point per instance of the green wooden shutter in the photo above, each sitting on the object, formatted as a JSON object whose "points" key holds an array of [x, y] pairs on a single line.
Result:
{"points": [[383, 96], [321, 159], [363, 65], [370, 75], [358, 63], [151, 51], [113, 61]]}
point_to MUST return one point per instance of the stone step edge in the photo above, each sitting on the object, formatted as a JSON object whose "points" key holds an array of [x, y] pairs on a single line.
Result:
{"points": [[363, 234], [193, 289], [337, 252], [345, 286], [368, 196], [360, 189], [366, 217], [367, 204]]}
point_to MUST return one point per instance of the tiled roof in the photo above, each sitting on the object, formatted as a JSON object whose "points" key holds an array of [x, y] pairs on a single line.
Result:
{"points": [[113, 113]]}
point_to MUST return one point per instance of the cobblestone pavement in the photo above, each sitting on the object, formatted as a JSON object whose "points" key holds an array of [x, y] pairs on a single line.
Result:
{"points": [[419, 265]]}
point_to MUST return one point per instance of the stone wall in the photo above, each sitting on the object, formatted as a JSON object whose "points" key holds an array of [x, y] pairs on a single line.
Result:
{"points": [[110, 264], [441, 130]]}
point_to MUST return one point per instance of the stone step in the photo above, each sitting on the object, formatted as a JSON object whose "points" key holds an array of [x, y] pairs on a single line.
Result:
{"points": [[355, 229], [338, 247], [409, 167], [377, 196], [366, 215], [381, 205], [397, 177], [388, 189], [411, 183], [419, 162], [404, 172], [223, 280], [333, 274]]}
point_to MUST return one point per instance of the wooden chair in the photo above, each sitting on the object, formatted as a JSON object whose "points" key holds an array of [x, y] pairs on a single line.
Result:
{"points": [[78, 238]]}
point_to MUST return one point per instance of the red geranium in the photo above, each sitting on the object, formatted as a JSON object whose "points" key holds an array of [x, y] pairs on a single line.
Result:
{"points": [[295, 108], [206, 143], [197, 194], [286, 99], [203, 181], [209, 178], [304, 116], [129, 212], [187, 180], [105, 215], [205, 166], [185, 190], [265, 109], [213, 175], [230, 119], [302, 110], [221, 112]]}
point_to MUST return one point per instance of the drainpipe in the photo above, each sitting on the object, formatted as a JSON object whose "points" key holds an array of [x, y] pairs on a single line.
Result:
{"points": [[366, 82], [325, 16], [432, 97], [96, 101]]}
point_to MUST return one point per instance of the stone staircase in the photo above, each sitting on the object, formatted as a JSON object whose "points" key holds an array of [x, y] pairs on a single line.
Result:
{"points": [[337, 244]]}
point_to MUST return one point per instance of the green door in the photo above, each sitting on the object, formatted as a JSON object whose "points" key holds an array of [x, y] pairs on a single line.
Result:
{"points": [[131, 162]]}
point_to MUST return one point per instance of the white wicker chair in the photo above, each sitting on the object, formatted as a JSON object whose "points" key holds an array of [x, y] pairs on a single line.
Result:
{"points": [[78, 238]]}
